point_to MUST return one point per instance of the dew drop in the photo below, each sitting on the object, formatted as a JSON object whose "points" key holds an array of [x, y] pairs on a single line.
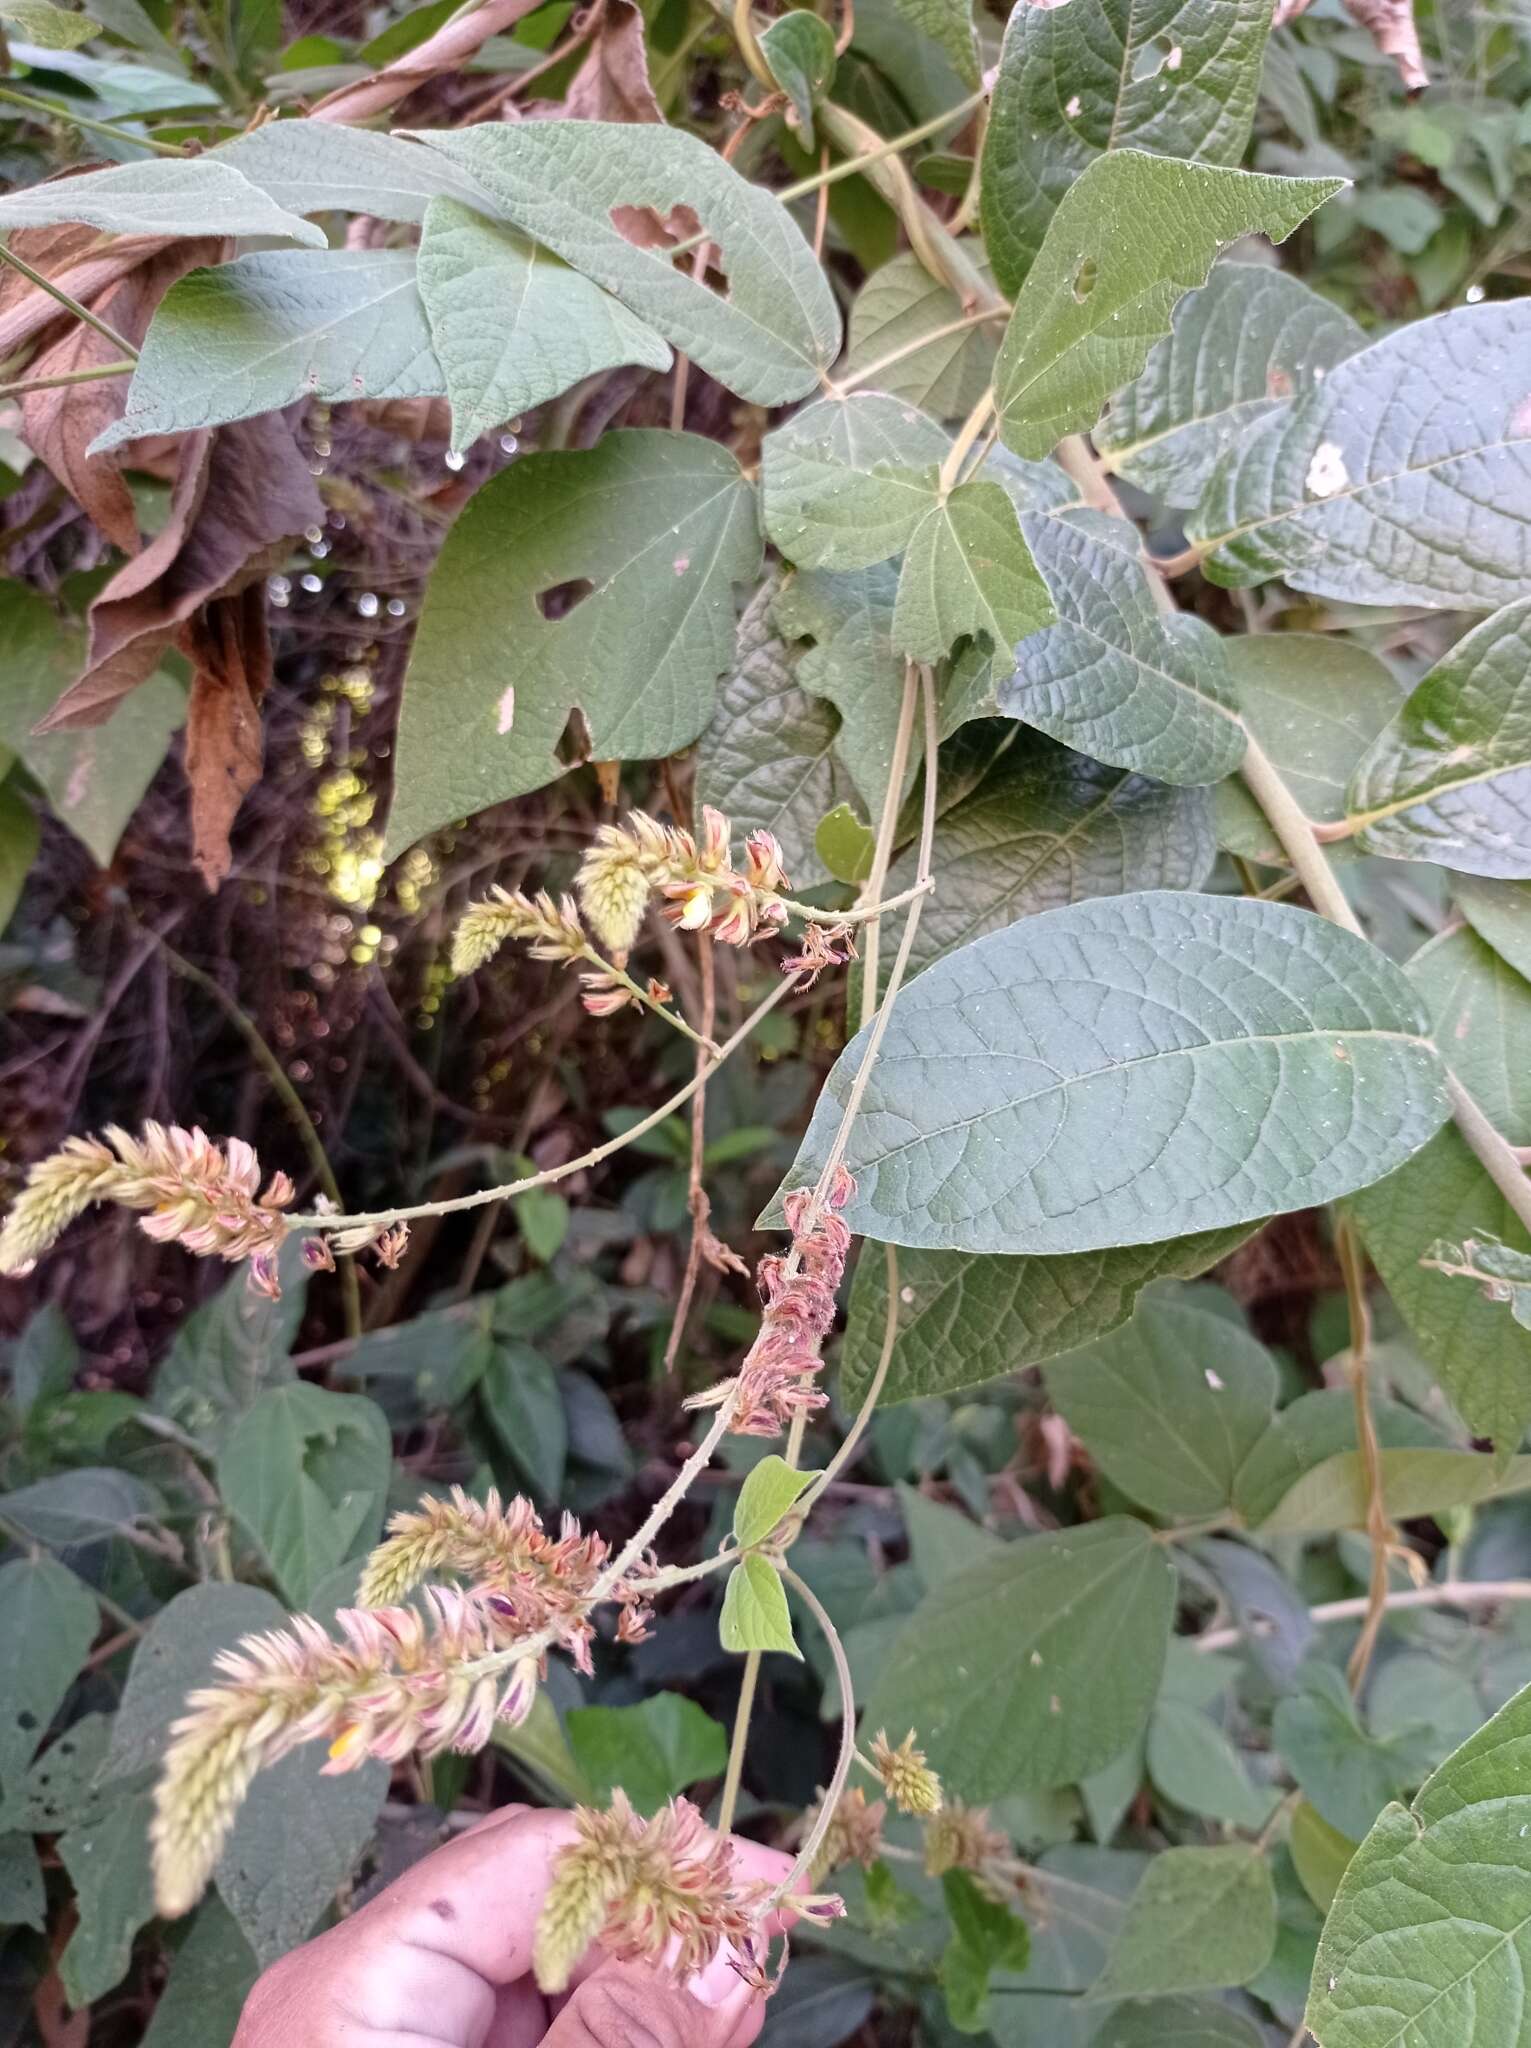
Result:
{"points": [[311, 582], [454, 458], [366, 604]]}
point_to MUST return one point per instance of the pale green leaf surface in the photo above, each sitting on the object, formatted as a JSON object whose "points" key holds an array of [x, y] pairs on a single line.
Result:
{"points": [[297, 1839], [653, 1750], [964, 1319], [44, 1608], [1095, 300], [1315, 703], [1185, 2022], [512, 326], [306, 1472], [1036, 1667], [1426, 1943], [1195, 1766], [325, 166], [968, 571], [125, 88], [769, 759], [769, 1489], [265, 331], [901, 303], [1249, 338], [799, 49], [1113, 677], [1100, 1074], [1316, 1428], [1201, 1919], [49, 27], [1177, 77], [845, 482], [1500, 913], [166, 196], [777, 330], [1347, 1774], [663, 526], [1480, 1012], [1415, 1482], [1404, 478], [848, 614], [1449, 779], [1169, 1405], [755, 1613], [949, 25], [108, 1864]]}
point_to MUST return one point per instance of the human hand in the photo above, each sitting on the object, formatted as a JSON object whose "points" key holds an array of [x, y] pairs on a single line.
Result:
{"points": [[441, 1959]]}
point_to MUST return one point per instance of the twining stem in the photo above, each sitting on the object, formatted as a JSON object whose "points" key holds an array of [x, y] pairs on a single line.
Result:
{"points": [[380, 1219], [697, 1204], [46, 284], [24, 385], [1463, 1593], [1379, 1530], [887, 825], [843, 1761], [880, 150], [55, 112], [967, 435], [863, 912], [738, 1742], [701, 1039]]}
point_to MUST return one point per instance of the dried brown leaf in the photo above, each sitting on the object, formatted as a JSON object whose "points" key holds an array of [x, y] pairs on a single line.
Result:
{"points": [[612, 84], [230, 652], [1390, 23]]}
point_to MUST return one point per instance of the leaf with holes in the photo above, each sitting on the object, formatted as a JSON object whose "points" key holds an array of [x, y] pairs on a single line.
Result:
{"points": [[266, 331], [1177, 77], [964, 1319], [1427, 1940], [773, 334], [1449, 778], [662, 527], [1095, 300], [512, 326], [1169, 1406], [1098, 1075], [1114, 678], [1404, 478], [968, 573], [166, 196], [46, 1608], [846, 482], [900, 305], [1250, 338], [1034, 1667], [848, 615]]}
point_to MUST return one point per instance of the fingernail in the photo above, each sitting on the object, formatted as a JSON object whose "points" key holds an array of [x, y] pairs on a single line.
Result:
{"points": [[719, 1982]]}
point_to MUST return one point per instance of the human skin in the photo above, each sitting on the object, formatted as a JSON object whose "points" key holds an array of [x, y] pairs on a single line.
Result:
{"points": [[441, 1959]]}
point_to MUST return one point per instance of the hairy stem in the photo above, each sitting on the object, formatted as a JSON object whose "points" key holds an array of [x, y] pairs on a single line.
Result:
{"points": [[1379, 1529], [857, 1430], [57, 112], [24, 385], [967, 435], [697, 1203], [887, 825], [843, 1761]]}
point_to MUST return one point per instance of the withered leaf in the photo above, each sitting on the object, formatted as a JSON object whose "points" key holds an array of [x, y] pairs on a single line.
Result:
{"points": [[1390, 23], [612, 84], [230, 652]]}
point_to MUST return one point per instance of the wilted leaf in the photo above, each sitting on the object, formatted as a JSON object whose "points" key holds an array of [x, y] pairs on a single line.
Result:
{"points": [[1250, 338], [1449, 779], [558, 181], [1178, 77], [230, 651], [612, 82], [663, 527], [1095, 299], [166, 196], [1201, 1918], [1371, 489], [1063, 1085], [512, 326], [1036, 1667]]}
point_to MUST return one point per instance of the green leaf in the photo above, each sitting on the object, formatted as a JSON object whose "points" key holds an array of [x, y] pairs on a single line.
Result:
{"points": [[1036, 1667], [1500, 913], [524, 1403], [512, 326], [653, 1750], [542, 1217], [1195, 1766], [755, 1613], [108, 1864], [844, 845], [306, 1471], [20, 835], [77, 1507], [775, 333], [1178, 77], [43, 1360], [849, 617], [49, 27], [1426, 1939], [23, 1899], [1201, 1919], [1415, 1483], [174, 1657], [1480, 1012], [229, 1351], [94, 776], [1185, 2022], [1309, 1432], [46, 1609], [986, 1936], [1348, 1775], [211, 1977], [1169, 1406], [949, 25], [1047, 827], [897, 306], [1250, 338], [799, 48], [662, 526], [265, 331], [942, 1540], [967, 570], [769, 1489], [297, 1839], [540, 1749], [325, 167], [846, 481], [166, 196], [768, 760], [1449, 779], [1370, 488], [1061, 1086], [963, 1319], [1095, 300], [1113, 677], [1320, 1854], [1315, 703]]}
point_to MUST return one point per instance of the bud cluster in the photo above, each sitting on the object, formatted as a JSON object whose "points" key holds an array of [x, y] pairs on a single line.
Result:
{"points": [[699, 885], [550, 931]]}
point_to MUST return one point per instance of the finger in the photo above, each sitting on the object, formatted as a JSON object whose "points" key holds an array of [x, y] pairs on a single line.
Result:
{"points": [[624, 2004]]}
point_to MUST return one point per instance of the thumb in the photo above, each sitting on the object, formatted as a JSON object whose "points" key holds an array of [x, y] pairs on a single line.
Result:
{"points": [[631, 2005]]}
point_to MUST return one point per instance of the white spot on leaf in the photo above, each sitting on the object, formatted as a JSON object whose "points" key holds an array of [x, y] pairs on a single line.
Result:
{"points": [[1072, 109], [681, 564], [1327, 472], [1173, 60], [506, 710]]}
